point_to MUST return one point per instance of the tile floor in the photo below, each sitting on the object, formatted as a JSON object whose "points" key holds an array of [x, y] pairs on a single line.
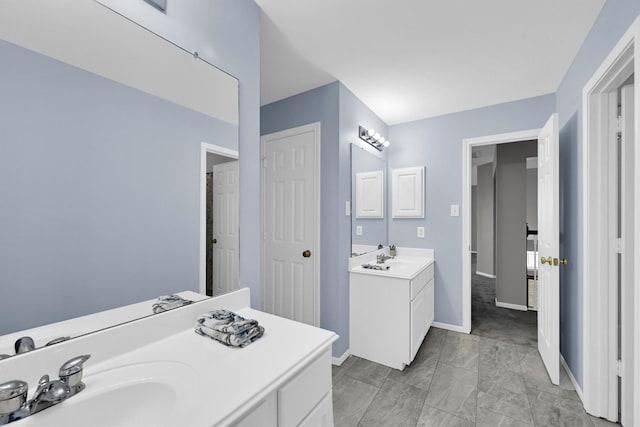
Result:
{"points": [[493, 377], [457, 380]]}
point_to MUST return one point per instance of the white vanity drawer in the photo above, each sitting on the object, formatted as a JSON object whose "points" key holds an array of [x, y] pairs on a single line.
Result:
{"points": [[418, 282], [300, 395], [265, 414], [322, 414]]}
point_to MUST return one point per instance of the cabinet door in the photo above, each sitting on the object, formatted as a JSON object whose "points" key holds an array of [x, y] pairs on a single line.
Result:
{"points": [[429, 303], [418, 321], [321, 415]]}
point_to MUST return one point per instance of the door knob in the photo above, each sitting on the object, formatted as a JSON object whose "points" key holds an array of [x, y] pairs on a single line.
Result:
{"points": [[214, 241], [544, 260], [564, 261], [306, 253]]}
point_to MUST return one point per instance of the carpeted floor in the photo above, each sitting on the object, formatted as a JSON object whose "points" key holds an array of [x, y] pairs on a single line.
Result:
{"points": [[487, 320]]}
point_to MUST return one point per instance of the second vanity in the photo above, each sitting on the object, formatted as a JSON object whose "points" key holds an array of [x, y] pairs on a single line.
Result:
{"points": [[157, 371], [391, 310]]}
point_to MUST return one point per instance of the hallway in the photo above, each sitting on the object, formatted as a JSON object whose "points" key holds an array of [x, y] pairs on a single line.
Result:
{"points": [[487, 320]]}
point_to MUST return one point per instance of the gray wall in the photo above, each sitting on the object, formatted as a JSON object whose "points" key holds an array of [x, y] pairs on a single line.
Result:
{"points": [[486, 235], [532, 198], [474, 218], [511, 214]]}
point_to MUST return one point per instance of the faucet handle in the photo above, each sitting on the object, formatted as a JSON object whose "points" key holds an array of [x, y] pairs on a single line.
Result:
{"points": [[24, 344], [71, 371], [13, 396]]}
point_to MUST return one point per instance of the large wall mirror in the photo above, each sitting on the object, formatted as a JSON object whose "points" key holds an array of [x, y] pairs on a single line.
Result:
{"points": [[369, 195], [101, 129]]}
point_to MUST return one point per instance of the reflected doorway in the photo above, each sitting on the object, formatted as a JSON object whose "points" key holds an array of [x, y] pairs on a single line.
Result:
{"points": [[220, 232]]}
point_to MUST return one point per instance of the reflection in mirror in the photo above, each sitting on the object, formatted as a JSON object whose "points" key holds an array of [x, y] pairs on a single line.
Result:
{"points": [[100, 164], [222, 239], [368, 201]]}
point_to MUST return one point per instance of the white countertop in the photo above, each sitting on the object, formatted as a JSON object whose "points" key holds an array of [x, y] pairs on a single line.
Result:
{"points": [[402, 266], [221, 382]]}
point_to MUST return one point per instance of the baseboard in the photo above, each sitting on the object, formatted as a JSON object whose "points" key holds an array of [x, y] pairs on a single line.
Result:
{"points": [[450, 327], [340, 360], [511, 306], [572, 378], [490, 276]]}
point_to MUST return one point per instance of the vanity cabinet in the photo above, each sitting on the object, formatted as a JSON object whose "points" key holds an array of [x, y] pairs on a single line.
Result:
{"points": [[390, 315], [305, 400]]}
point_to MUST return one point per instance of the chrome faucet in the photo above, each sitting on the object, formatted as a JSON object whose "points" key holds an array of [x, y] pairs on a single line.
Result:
{"points": [[381, 258], [13, 394]]}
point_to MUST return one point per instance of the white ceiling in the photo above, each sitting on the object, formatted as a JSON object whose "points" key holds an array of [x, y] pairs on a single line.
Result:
{"points": [[411, 59]]}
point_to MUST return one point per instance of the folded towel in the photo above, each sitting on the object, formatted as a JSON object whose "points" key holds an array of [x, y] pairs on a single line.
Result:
{"points": [[226, 321], [228, 328], [169, 302]]}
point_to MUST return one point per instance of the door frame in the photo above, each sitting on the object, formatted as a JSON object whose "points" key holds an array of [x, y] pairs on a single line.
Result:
{"points": [[206, 148], [468, 144], [315, 128], [599, 315]]}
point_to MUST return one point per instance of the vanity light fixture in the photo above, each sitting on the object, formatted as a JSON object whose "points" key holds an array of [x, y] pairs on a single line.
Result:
{"points": [[373, 138]]}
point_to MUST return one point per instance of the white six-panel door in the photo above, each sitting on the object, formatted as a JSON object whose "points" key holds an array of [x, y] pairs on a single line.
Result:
{"points": [[291, 223], [225, 245], [549, 247]]}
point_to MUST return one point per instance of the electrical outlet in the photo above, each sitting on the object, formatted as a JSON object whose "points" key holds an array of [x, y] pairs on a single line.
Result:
{"points": [[347, 208], [359, 230], [421, 232], [455, 210]]}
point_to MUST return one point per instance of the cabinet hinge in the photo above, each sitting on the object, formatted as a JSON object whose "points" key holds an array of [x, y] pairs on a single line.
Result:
{"points": [[264, 162], [619, 128]]}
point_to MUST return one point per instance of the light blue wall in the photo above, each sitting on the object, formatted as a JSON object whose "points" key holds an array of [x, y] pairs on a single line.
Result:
{"points": [[615, 18], [109, 255], [437, 144]]}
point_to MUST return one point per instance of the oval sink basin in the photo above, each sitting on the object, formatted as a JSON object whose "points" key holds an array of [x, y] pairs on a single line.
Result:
{"points": [[145, 394]]}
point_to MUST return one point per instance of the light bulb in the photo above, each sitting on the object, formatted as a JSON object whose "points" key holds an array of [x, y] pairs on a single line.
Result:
{"points": [[371, 132], [376, 136], [382, 140], [386, 143]]}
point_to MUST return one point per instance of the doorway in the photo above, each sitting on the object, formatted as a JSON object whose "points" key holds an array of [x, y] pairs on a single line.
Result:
{"points": [[219, 220], [504, 224], [548, 236], [611, 234]]}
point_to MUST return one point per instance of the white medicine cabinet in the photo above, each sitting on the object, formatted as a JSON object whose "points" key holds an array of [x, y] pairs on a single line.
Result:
{"points": [[407, 189]]}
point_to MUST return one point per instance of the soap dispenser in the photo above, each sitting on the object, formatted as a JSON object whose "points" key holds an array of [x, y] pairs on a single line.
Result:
{"points": [[392, 250]]}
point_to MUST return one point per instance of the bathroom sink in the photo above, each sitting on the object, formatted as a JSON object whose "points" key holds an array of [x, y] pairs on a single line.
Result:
{"points": [[145, 394]]}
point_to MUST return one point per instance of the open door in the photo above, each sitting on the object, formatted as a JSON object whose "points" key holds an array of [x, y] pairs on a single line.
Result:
{"points": [[548, 248]]}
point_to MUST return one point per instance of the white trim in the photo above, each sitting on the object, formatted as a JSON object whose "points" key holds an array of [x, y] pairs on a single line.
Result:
{"points": [[316, 128], [204, 149], [468, 145], [573, 380], [598, 379], [450, 327], [487, 275], [338, 361], [510, 306]]}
